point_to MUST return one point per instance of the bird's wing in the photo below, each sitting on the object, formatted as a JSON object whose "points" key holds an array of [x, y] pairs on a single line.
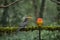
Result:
{"points": [[23, 24]]}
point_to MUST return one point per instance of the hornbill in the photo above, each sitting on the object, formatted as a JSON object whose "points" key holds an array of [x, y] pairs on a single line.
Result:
{"points": [[24, 23]]}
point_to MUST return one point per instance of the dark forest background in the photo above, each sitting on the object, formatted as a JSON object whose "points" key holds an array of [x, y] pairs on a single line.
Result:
{"points": [[13, 12]]}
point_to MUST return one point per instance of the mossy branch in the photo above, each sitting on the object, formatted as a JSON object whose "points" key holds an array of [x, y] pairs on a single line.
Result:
{"points": [[13, 29], [42, 28]]}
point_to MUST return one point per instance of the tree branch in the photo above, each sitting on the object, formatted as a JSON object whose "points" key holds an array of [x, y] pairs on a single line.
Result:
{"points": [[55, 1], [14, 29], [9, 4], [42, 28]]}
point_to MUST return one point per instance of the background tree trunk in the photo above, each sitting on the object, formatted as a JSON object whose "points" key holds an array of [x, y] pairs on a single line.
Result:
{"points": [[41, 15], [35, 8], [4, 15], [58, 9], [42, 8]]}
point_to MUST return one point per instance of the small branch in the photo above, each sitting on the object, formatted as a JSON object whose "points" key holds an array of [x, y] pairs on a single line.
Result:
{"points": [[55, 1], [9, 4]]}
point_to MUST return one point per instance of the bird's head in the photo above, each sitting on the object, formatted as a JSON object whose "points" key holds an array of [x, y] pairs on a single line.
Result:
{"points": [[28, 18]]}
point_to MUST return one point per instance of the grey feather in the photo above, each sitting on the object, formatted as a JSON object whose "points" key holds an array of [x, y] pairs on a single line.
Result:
{"points": [[23, 24]]}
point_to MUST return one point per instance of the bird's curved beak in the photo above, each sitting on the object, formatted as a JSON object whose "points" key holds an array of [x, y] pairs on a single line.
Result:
{"points": [[29, 17]]}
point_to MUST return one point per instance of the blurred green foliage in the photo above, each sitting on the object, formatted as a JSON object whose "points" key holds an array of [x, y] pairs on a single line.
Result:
{"points": [[18, 11]]}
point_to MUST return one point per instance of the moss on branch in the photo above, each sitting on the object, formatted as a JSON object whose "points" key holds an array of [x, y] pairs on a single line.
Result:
{"points": [[13, 29]]}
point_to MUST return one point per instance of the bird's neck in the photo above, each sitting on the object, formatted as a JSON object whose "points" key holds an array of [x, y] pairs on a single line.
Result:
{"points": [[25, 20]]}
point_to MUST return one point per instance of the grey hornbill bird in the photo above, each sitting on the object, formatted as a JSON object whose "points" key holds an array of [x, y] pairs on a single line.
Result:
{"points": [[24, 23]]}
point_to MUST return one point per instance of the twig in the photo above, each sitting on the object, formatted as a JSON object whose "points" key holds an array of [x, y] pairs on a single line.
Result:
{"points": [[9, 4], [55, 1]]}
